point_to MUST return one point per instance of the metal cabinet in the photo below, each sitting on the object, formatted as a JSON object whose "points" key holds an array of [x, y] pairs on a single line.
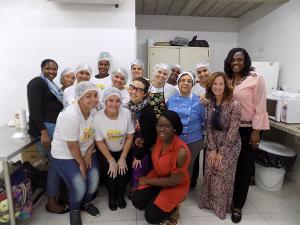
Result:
{"points": [[187, 57]]}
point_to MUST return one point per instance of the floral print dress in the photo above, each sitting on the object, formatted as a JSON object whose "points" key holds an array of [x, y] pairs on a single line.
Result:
{"points": [[218, 183]]}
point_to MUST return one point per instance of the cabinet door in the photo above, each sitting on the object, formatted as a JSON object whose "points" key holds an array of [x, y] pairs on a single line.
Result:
{"points": [[191, 56], [166, 55]]}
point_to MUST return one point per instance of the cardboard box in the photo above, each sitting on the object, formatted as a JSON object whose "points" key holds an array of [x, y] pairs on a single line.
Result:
{"points": [[31, 155]]}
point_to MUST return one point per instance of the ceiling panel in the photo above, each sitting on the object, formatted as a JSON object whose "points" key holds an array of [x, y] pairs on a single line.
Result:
{"points": [[206, 8], [190, 7], [231, 7], [177, 7], [139, 7], [218, 7], [149, 7], [163, 7], [248, 6]]}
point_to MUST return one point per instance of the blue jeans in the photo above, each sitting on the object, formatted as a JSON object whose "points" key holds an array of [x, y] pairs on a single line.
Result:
{"points": [[53, 179], [81, 191]]}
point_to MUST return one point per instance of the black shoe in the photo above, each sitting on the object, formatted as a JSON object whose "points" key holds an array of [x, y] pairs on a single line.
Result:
{"points": [[236, 216], [112, 204], [91, 209], [75, 217], [121, 202]]}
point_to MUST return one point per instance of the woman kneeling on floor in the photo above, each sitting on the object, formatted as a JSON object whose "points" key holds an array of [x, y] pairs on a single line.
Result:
{"points": [[73, 150], [162, 190]]}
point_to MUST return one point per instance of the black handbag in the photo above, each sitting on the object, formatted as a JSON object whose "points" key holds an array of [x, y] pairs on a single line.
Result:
{"points": [[198, 43]]}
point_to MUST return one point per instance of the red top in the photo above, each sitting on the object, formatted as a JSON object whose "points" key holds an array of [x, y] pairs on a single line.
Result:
{"points": [[165, 164]]}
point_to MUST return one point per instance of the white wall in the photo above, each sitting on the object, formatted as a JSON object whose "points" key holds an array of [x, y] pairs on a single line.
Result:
{"points": [[32, 30], [277, 33], [221, 34]]}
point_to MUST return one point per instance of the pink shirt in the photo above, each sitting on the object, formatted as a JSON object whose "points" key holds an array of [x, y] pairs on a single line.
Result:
{"points": [[251, 94]]}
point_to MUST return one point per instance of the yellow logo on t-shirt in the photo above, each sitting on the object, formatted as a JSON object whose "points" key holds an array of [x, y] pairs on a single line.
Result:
{"points": [[87, 134], [100, 86], [114, 135]]}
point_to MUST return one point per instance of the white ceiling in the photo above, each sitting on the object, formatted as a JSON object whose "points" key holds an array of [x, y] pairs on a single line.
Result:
{"points": [[201, 8]]}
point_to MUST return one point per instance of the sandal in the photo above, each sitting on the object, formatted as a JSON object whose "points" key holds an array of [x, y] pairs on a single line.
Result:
{"points": [[236, 215], [65, 210], [173, 220]]}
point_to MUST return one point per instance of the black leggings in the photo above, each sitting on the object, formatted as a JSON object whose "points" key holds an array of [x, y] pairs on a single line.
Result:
{"points": [[144, 200], [244, 169], [116, 186]]}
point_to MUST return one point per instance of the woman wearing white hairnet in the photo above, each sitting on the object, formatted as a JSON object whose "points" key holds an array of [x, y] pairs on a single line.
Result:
{"points": [[175, 71], [114, 131], [160, 91], [83, 73], [103, 78], [67, 78], [119, 79], [73, 151], [191, 112], [202, 70], [137, 68]]}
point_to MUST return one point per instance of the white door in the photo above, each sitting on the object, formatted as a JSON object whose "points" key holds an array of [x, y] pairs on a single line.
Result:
{"points": [[191, 56], [168, 55]]}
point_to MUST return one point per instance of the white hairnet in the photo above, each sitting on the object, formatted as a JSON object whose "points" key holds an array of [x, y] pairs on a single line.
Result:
{"points": [[162, 66], [83, 66], [109, 91], [83, 87], [104, 56], [64, 72], [190, 73], [202, 64], [177, 66], [137, 62], [122, 71]]}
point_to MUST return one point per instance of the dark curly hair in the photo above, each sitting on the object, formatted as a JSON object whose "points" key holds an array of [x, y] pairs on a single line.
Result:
{"points": [[227, 88], [45, 62], [144, 82], [228, 60]]}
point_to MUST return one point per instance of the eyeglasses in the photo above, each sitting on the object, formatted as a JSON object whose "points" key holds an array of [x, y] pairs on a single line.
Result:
{"points": [[164, 127], [136, 89]]}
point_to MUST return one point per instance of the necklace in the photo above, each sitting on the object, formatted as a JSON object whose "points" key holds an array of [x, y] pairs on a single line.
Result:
{"points": [[235, 83]]}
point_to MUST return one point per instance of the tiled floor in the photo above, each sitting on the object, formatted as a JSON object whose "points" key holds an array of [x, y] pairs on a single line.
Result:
{"points": [[262, 208]]}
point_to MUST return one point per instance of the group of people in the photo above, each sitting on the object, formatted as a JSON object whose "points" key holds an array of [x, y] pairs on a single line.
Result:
{"points": [[149, 135]]}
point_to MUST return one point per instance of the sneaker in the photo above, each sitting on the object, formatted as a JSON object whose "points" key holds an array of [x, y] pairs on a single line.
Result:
{"points": [[75, 217], [91, 209]]}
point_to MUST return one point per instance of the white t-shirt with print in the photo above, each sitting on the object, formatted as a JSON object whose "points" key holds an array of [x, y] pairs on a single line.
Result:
{"points": [[102, 83], [71, 126], [114, 132]]}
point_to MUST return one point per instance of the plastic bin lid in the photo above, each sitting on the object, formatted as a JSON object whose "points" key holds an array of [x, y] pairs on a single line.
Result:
{"points": [[276, 148]]}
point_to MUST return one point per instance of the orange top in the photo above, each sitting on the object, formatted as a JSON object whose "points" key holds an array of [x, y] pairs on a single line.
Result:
{"points": [[165, 164]]}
